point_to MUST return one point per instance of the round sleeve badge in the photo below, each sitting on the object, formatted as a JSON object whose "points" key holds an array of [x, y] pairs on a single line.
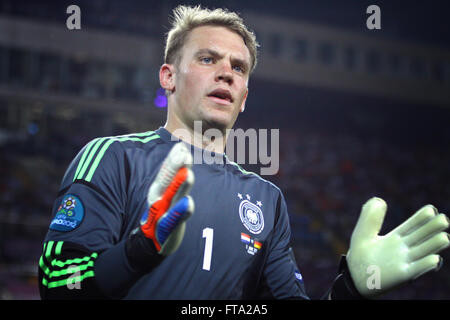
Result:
{"points": [[70, 214]]}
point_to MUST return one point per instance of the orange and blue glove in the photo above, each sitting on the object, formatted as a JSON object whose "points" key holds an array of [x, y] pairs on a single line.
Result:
{"points": [[169, 201]]}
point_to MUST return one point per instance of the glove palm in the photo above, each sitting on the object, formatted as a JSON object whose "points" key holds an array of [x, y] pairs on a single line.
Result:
{"points": [[403, 254]]}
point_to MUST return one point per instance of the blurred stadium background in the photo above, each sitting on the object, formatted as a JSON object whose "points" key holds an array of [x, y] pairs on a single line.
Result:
{"points": [[361, 113]]}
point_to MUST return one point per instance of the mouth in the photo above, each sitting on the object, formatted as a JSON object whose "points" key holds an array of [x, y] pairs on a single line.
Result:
{"points": [[221, 96]]}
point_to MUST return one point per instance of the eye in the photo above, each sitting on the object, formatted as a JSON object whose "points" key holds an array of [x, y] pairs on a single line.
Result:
{"points": [[238, 68], [207, 60]]}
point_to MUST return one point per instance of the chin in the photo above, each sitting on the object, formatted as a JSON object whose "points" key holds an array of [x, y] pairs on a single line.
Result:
{"points": [[219, 124], [220, 121]]}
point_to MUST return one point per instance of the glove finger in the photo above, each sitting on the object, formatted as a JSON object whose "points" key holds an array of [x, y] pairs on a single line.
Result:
{"points": [[180, 186], [424, 265], [181, 211], [370, 219], [184, 188], [179, 156], [417, 220], [433, 245], [433, 226]]}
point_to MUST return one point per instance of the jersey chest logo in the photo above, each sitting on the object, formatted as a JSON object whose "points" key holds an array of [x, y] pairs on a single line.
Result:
{"points": [[251, 215]]}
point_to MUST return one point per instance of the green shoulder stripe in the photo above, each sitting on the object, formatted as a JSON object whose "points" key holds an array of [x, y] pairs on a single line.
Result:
{"points": [[91, 153], [83, 157], [91, 158]]}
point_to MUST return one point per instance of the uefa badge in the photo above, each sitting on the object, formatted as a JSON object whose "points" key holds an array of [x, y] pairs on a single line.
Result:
{"points": [[251, 215], [69, 214]]}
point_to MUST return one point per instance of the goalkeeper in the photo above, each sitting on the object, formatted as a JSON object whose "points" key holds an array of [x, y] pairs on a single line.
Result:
{"points": [[135, 218]]}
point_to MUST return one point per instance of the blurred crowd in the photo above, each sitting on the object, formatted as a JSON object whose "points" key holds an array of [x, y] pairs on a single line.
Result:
{"points": [[328, 177], [31, 168]]}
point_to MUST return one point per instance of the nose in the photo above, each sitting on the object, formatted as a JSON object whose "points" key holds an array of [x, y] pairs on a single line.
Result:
{"points": [[225, 74]]}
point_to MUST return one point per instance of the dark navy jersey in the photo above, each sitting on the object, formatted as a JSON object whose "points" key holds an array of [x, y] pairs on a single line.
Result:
{"points": [[236, 244]]}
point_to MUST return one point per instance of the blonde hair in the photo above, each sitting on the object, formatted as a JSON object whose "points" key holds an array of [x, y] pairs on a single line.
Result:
{"points": [[186, 18]]}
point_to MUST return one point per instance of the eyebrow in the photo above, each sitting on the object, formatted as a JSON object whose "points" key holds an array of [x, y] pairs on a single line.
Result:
{"points": [[217, 55]]}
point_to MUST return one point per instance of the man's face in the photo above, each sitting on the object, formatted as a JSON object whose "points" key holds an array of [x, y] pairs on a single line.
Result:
{"points": [[211, 77]]}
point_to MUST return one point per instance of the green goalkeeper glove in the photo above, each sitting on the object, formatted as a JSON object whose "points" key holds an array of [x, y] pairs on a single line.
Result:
{"points": [[402, 255]]}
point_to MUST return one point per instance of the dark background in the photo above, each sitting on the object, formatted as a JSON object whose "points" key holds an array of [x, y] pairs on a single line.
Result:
{"points": [[338, 148]]}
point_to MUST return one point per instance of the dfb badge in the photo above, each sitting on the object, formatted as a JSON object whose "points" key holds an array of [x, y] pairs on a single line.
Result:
{"points": [[251, 215]]}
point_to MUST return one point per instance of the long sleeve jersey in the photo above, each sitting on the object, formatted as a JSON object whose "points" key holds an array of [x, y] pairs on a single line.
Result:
{"points": [[236, 244]]}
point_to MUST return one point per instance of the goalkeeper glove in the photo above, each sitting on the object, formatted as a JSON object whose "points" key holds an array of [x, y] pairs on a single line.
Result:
{"points": [[402, 255], [169, 202]]}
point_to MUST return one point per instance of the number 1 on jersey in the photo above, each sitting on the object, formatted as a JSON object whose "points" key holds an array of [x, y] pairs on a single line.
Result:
{"points": [[208, 234]]}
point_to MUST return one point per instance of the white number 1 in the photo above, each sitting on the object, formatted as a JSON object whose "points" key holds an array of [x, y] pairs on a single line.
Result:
{"points": [[208, 234]]}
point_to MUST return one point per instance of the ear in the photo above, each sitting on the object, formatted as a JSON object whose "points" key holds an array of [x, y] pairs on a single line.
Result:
{"points": [[167, 77], [243, 101]]}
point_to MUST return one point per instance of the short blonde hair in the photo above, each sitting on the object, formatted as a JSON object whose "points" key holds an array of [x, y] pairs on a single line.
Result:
{"points": [[186, 18]]}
